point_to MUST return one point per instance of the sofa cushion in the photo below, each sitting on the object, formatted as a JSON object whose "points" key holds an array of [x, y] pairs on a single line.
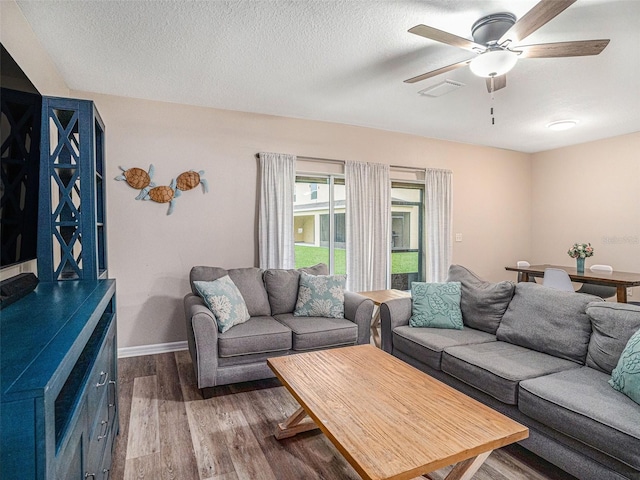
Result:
{"points": [[320, 296], [310, 333], [223, 298], [625, 378], [613, 324], [548, 320], [282, 286], [256, 335], [482, 303], [248, 280], [497, 368], [581, 404], [436, 305], [427, 344]]}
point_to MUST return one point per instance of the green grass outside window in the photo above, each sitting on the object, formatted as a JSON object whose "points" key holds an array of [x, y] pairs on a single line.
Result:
{"points": [[306, 256]]}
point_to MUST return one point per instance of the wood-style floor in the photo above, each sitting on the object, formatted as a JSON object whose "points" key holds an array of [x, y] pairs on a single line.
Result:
{"points": [[168, 431]]}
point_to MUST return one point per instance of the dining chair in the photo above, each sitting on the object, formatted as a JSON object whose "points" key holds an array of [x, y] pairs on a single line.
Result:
{"points": [[524, 264], [558, 279], [602, 291]]}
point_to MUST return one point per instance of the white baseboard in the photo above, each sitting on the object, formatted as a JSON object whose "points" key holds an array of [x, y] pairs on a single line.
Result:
{"points": [[152, 349]]}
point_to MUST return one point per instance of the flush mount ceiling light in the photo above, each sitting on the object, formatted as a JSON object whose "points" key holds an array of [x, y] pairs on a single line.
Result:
{"points": [[562, 125], [493, 63]]}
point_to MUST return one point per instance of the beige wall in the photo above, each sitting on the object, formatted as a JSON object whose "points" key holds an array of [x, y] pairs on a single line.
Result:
{"points": [[588, 193], [507, 205], [150, 253]]}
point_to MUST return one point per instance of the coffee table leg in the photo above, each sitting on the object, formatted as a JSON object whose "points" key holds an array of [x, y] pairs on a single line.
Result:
{"points": [[295, 425], [466, 469], [375, 324]]}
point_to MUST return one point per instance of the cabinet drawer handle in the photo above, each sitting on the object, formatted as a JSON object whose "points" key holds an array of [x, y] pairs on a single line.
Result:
{"points": [[106, 377], [113, 383], [92, 475], [106, 473], [104, 424]]}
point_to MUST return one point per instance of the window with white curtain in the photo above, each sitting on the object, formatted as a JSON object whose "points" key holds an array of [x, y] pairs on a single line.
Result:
{"points": [[320, 231], [319, 221]]}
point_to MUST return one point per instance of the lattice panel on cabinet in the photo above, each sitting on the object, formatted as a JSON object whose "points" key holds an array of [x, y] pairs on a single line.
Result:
{"points": [[73, 211]]}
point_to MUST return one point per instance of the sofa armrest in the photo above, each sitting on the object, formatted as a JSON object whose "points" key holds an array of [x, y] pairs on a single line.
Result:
{"points": [[359, 310], [202, 337], [393, 313]]}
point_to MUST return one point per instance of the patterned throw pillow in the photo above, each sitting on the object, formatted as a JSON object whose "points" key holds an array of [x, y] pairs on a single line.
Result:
{"points": [[436, 305], [626, 376], [320, 296], [225, 301]]}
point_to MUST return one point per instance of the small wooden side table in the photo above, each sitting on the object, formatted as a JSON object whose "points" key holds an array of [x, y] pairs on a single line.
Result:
{"points": [[379, 297]]}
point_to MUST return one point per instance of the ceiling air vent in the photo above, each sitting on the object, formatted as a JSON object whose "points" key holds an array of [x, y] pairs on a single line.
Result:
{"points": [[441, 88]]}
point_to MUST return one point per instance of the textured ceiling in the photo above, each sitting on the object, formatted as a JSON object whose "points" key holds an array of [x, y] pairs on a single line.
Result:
{"points": [[345, 61]]}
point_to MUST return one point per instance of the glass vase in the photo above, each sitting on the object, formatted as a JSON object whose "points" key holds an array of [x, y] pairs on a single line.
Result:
{"points": [[580, 265]]}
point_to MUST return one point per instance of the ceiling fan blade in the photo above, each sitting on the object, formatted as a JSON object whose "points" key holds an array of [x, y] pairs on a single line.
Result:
{"points": [[496, 83], [535, 18], [563, 49], [433, 73], [446, 37]]}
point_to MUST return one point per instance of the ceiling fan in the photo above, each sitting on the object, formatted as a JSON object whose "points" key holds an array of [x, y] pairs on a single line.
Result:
{"points": [[495, 43]]}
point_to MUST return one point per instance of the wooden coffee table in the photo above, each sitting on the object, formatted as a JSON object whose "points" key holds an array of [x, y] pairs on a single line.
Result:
{"points": [[388, 419]]}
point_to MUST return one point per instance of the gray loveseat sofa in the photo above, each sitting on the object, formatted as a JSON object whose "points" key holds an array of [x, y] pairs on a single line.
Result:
{"points": [[240, 353], [541, 356]]}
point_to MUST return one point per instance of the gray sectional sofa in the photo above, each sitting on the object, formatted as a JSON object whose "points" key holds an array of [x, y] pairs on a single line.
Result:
{"points": [[541, 356], [240, 353]]}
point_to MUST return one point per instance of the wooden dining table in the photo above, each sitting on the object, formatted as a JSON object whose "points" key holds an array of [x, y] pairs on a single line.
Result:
{"points": [[620, 280]]}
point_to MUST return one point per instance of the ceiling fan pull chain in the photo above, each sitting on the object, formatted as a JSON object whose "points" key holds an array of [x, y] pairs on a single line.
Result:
{"points": [[493, 90]]}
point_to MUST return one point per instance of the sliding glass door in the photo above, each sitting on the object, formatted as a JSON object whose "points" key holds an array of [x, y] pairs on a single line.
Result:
{"points": [[407, 234]]}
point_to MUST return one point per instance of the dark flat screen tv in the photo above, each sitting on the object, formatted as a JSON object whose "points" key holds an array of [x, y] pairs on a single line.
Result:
{"points": [[20, 163]]}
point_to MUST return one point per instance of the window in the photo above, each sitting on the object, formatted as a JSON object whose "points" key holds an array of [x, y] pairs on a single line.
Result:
{"points": [[320, 228], [407, 227], [319, 222]]}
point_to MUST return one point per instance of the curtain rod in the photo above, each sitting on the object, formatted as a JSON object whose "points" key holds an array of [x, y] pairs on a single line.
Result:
{"points": [[342, 162], [314, 159]]}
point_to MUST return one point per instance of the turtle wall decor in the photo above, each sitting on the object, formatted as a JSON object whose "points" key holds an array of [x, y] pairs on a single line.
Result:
{"points": [[142, 180]]}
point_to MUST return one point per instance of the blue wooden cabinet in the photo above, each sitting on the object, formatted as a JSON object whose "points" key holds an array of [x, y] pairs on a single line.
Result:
{"points": [[71, 218], [59, 391]]}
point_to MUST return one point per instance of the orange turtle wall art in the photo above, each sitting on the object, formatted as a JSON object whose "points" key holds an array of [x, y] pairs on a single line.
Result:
{"points": [[188, 180], [141, 180], [138, 179]]}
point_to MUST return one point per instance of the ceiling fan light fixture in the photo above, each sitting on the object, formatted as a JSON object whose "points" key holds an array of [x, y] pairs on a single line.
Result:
{"points": [[562, 125], [493, 63]]}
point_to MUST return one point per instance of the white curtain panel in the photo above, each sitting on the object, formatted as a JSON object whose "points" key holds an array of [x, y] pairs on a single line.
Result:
{"points": [[439, 223], [368, 209], [275, 224]]}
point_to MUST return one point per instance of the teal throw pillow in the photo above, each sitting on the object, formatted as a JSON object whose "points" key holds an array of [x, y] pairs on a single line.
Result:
{"points": [[320, 296], [436, 305], [626, 376], [225, 301]]}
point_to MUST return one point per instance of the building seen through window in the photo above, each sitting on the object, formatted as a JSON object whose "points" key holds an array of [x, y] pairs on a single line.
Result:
{"points": [[320, 227]]}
